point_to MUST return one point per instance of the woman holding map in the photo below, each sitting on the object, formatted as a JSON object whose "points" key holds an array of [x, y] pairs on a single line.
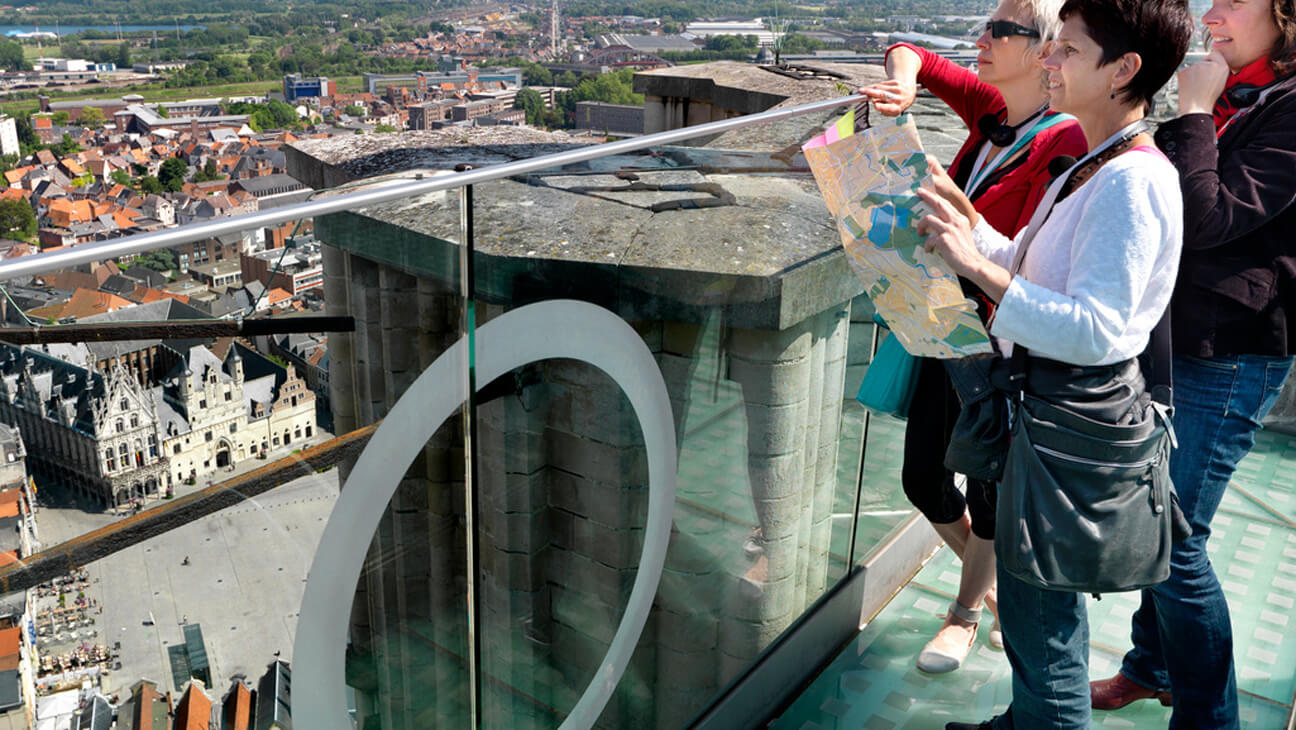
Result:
{"points": [[1003, 168], [1081, 288], [1234, 145]]}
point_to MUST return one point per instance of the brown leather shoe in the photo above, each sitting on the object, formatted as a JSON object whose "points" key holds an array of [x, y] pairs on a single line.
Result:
{"points": [[1115, 693]]}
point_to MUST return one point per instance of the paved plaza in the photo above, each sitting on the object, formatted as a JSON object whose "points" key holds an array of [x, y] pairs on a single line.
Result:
{"points": [[243, 582]]}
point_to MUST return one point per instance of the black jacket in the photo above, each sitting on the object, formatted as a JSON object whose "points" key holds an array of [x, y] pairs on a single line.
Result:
{"points": [[1237, 278]]}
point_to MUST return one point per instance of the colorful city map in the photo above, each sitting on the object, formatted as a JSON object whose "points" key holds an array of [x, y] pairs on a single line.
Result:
{"points": [[868, 182]]}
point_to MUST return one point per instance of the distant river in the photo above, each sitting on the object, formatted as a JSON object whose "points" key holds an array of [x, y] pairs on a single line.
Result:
{"points": [[74, 29]]}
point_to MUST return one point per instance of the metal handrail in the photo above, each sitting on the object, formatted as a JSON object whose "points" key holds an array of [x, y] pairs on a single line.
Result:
{"points": [[142, 242]]}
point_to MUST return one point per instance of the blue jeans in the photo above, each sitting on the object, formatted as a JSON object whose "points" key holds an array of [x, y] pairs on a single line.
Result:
{"points": [[1183, 640], [1046, 638]]}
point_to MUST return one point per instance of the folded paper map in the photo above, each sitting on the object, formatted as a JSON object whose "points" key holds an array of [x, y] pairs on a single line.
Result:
{"points": [[869, 181]]}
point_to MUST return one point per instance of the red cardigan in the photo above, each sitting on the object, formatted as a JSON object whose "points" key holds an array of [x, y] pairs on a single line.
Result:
{"points": [[1006, 205]]}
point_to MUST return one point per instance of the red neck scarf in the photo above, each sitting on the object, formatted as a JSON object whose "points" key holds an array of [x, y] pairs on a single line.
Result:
{"points": [[1256, 73]]}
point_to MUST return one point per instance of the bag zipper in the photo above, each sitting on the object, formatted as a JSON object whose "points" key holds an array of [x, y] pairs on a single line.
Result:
{"points": [[1094, 462]]}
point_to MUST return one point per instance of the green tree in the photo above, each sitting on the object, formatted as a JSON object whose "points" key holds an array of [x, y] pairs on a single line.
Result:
{"points": [[384, 128], [731, 43], [17, 219], [353, 110], [258, 61], [59, 118], [123, 60], [162, 112], [121, 177], [65, 147], [161, 260], [533, 103], [150, 185], [172, 174], [26, 135], [536, 75], [8, 162], [797, 43], [208, 172], [91, 116], [284, 115], [11, 57], [613, 88]]}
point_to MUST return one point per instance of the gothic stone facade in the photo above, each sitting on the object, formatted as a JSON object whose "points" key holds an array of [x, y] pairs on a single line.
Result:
{"points": [[109, 436]]}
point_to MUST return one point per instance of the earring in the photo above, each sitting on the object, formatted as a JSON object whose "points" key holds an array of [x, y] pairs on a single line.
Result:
{"points": [[1113, 92]]}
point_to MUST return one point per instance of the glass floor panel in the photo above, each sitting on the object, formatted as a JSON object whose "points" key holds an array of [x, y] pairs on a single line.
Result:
{"points": [[872, 683]]}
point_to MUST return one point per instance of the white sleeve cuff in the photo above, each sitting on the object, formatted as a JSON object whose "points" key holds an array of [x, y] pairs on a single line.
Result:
{"points": [[992, 244]]}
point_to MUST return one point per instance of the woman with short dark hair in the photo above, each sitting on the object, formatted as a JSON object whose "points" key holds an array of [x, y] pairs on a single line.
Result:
{"points": [[1081, 289], [1234, 146]]}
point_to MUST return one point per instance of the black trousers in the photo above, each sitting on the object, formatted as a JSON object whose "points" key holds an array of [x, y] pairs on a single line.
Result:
{"points": [[928, 485]]}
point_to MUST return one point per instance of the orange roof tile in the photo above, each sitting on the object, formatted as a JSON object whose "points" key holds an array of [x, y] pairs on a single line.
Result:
{"points": [[9, 510], [42, 123], [10, 639], [85, 302], [15, 175], [194, 711], [238, 708], [153, 295], [73, 167], [277, 295]]}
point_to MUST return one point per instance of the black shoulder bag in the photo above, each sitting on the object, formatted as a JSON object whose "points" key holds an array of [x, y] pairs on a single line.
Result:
{"points": [[1085, 501]]}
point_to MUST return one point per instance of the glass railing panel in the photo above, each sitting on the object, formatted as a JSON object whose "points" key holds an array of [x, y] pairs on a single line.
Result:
{"points": [[166, 462], [398, 271], [491, 565], [728, 274], [882, 503]]}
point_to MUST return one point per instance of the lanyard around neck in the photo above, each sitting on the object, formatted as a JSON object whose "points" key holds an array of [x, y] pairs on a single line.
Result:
{"points": [[982, 170]]}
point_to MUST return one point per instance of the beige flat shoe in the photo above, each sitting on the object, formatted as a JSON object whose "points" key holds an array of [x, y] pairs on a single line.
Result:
{"points": [[947, 650]]}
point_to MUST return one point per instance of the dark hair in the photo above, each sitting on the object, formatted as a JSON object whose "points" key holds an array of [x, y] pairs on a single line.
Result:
{"points": [[1283, 56], [1157, 30]]}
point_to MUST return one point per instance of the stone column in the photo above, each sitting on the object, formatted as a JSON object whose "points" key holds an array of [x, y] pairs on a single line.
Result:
{"points": [[337, 299], [836, 331], [774, 370]]}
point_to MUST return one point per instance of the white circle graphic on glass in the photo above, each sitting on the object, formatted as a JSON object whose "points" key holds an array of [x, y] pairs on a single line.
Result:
{"points": [[546, 330]]}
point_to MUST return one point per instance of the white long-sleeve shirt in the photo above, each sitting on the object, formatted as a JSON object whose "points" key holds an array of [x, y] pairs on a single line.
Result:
{"points": [[1101, 270]]}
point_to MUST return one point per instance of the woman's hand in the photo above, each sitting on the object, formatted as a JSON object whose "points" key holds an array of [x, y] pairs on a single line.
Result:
{"points": [[1201, 84], [945, 186], [949, 234], [891, 97]]}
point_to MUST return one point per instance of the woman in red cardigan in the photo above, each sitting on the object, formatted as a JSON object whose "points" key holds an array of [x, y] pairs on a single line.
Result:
{"points": [[1004, 168]]}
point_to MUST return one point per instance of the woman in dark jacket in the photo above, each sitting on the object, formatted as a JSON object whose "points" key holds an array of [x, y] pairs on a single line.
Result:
{"points": [[1234, 145]]}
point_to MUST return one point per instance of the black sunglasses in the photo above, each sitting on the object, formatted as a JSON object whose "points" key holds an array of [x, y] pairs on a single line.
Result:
{"points": [[1006, 28]]}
